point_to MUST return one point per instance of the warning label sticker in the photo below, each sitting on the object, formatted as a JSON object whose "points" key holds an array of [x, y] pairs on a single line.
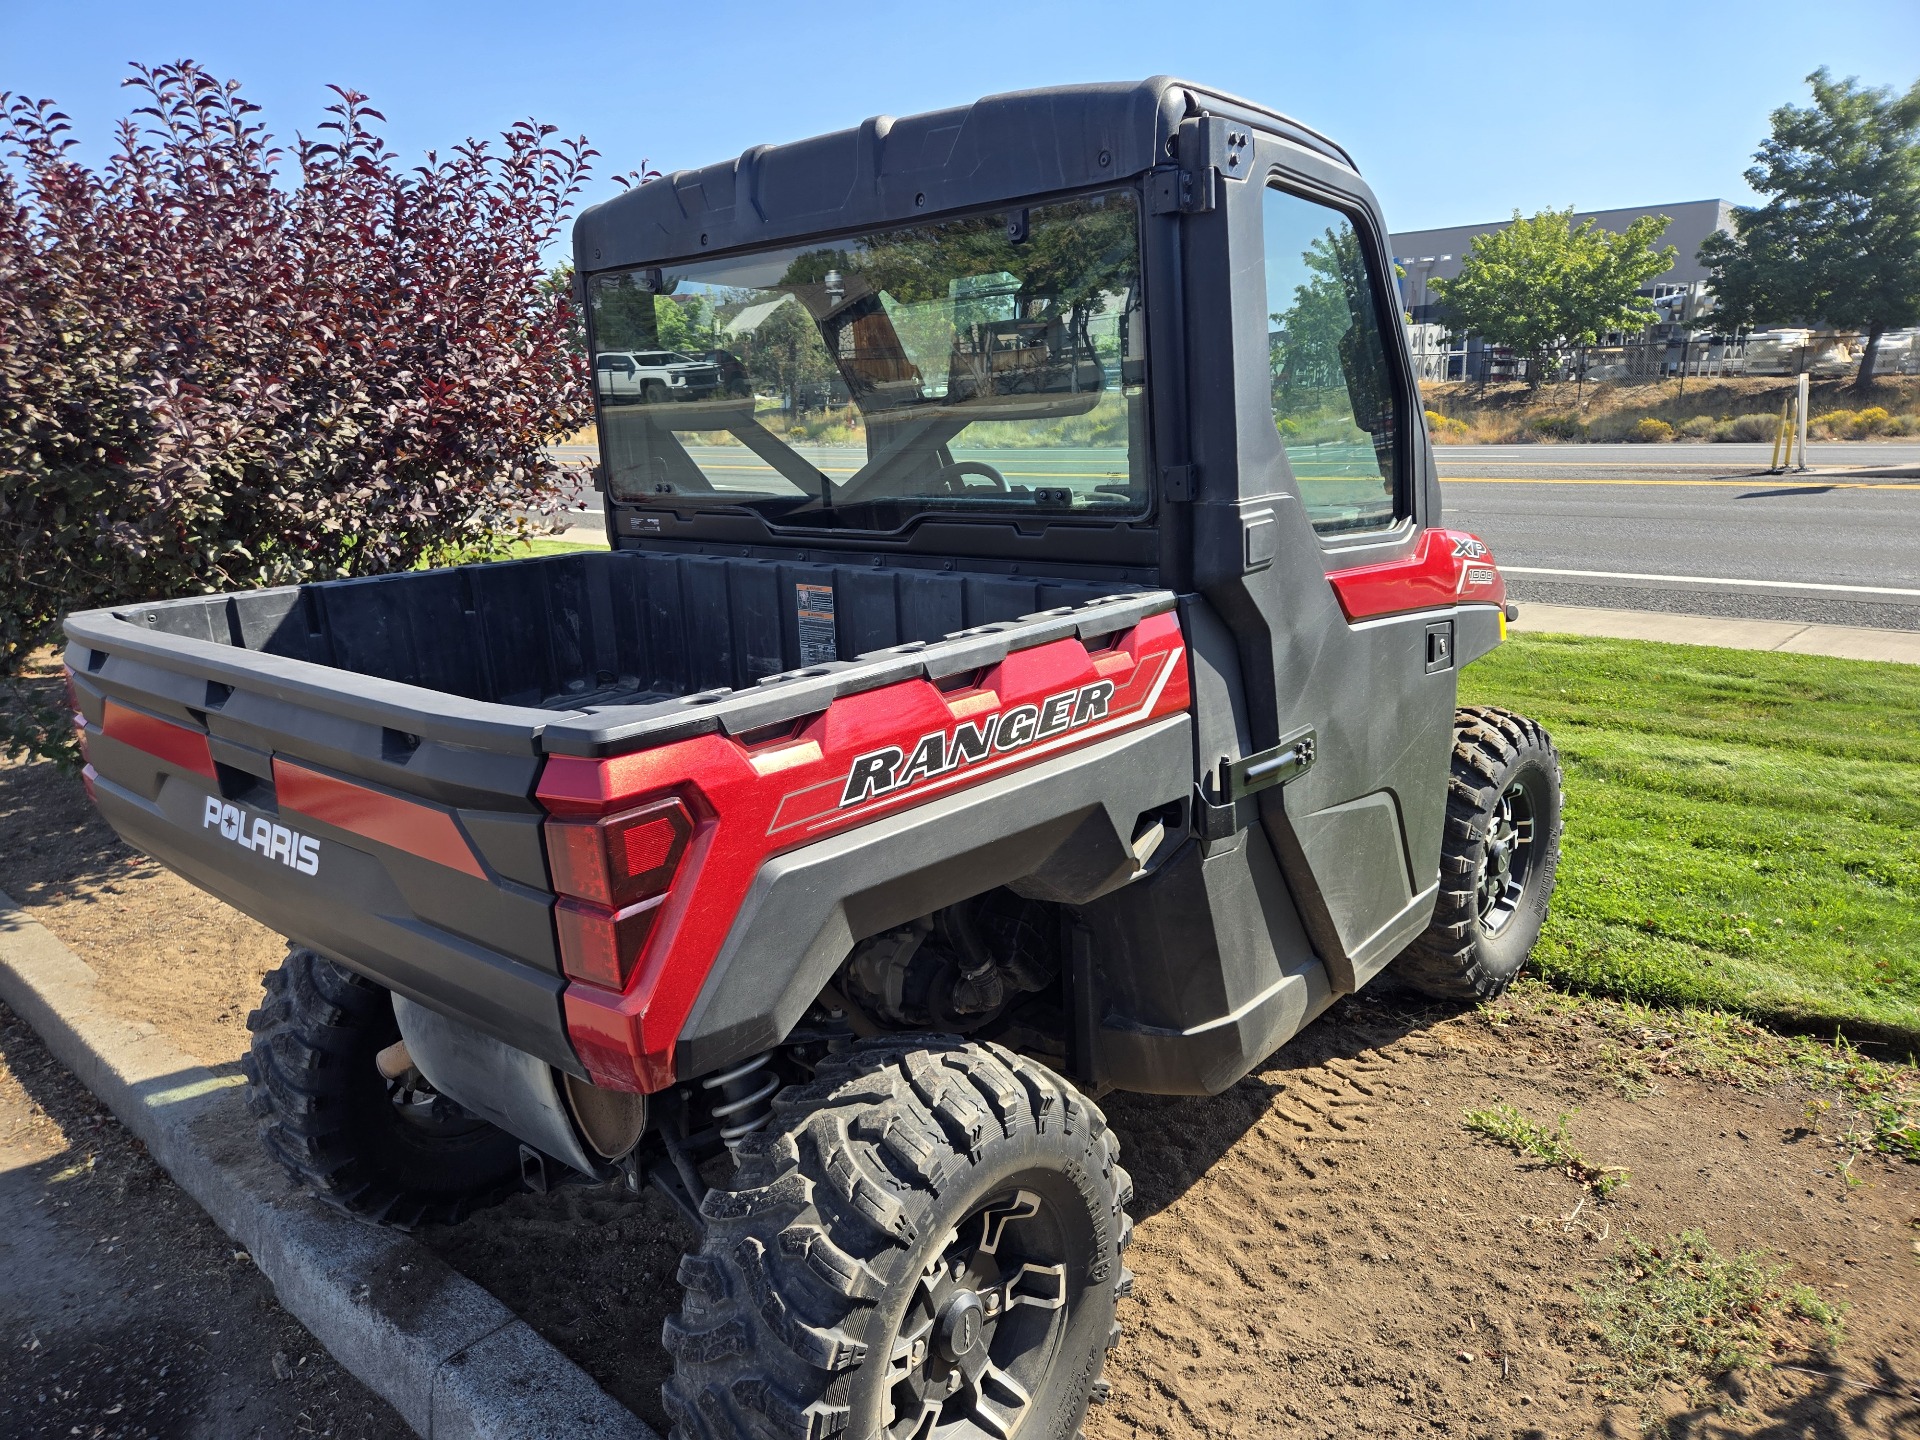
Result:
{"points": [[816, 623]]}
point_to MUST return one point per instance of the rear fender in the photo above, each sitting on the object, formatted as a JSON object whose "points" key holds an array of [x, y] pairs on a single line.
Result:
{"points": [[883, 805], [1063, 828]]}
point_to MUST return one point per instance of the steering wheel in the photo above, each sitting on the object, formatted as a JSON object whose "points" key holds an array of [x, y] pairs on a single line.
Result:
{"points": [[950, 478]]}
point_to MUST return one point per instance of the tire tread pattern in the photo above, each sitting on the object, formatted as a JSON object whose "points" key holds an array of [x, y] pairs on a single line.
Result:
{"points": [[827, 1205], [317, 1024], [1453, 960]]}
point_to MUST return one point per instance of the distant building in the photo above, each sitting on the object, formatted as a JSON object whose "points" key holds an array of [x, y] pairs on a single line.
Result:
{"points": [[1429, 255], [753, 316], [1680, 294]]}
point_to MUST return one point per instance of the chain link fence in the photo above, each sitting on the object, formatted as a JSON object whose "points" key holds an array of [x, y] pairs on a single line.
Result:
{"points": [[1438, 356]]}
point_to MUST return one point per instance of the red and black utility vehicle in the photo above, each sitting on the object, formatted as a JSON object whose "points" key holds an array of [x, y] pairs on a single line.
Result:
{"points": [[1036, 676]]}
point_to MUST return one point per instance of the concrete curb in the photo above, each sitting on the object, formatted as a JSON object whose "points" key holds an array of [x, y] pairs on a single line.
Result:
{"points": [[449, 1357], [1845, 642]]}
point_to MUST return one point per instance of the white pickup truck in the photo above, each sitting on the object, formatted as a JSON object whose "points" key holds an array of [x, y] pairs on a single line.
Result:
{"points": [[653, 377]]}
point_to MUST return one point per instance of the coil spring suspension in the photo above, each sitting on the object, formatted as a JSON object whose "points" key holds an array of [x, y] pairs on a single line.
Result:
{"points": [[743, 1099]]}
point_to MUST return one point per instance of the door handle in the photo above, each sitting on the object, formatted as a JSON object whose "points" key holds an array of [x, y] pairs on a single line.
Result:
{"points": [[1251, 773]]}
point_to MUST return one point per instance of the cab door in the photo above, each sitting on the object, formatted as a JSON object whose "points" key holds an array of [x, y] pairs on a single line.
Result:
{"points": [[1314, 467]]}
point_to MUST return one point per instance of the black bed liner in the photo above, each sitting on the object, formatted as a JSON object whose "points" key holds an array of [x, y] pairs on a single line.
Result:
{"points": [[594, 653]]}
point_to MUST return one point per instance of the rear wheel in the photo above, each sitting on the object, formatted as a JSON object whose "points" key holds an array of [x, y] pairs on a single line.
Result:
{"points": [[926, 1242], [1497, 861], [394, 1151]]}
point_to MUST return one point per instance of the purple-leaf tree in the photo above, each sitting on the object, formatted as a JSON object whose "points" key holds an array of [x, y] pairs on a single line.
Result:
{"points": [[224, 366]]}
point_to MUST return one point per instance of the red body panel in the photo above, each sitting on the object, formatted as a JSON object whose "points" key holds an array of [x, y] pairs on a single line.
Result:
{"points": [[166, 740], [420, 829], [1447, 567], [408, 825], [751, 803]]}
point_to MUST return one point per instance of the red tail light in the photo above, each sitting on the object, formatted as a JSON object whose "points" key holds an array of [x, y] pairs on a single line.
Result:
{"points": [[612, 873]]}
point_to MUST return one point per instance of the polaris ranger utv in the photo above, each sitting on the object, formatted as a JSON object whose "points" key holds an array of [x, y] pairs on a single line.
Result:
{"points": [[1043, 684]]}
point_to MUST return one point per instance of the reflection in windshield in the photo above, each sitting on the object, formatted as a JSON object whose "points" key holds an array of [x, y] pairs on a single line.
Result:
{"points": [[987, 362]]}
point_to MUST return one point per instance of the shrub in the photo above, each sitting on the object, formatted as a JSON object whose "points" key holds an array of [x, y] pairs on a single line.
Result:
{"points": [[1649, 431], [1444, 429], [1697, 427], [1904, 425], [210, 378], [1558, 427], [1853, 424], [1747, 428]]}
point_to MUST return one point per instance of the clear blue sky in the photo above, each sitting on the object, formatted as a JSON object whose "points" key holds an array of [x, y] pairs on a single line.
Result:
{"points": [[1456, 112]]}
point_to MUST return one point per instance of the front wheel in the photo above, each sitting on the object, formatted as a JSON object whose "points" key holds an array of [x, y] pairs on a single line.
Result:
{"points": [[1498, 858], [925, 1241]]}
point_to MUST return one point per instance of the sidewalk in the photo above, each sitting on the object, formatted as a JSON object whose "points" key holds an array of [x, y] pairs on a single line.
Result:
{"points": [[1847, 642]]}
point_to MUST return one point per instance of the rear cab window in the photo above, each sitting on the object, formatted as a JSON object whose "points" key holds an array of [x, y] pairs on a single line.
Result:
{"points": [[987, 364], [1336, 403]]}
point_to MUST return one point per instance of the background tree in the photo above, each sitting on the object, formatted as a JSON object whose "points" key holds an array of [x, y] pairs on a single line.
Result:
{"points": [[1331, 333], [785, 356], [210, 378], [1542, 284], [1839, 236]]}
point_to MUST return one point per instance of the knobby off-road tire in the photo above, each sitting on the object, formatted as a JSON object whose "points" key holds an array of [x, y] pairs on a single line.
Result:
{"points": [[845, 1275], [1497, 860], [380, 1151]]}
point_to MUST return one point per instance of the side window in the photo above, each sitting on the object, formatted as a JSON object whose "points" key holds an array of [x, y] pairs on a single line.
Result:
{"points": [[1334, 400]]}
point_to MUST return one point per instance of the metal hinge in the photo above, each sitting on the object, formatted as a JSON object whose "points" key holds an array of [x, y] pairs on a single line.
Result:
{"points": [[1172, 190], [1211, 150], [1291, 758]]}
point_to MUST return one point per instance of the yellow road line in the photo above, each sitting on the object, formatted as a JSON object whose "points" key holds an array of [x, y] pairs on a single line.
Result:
{"points": [[1465, 456], [1721, 466], [1773, 482]]}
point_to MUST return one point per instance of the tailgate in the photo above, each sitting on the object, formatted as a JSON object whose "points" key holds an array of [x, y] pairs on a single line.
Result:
{"points": [[387, 826]]}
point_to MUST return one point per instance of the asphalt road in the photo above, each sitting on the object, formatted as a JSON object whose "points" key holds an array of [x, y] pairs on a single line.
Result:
{"points": [[1695, 529]]}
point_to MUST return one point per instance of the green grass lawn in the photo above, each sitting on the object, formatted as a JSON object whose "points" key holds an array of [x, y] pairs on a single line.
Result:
{"points": [[508, 550], [1742, 828], [552, 545]]}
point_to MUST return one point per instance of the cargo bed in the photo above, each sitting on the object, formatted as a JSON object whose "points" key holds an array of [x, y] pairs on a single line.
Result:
{"points": [[642, 633], [400, 725]]}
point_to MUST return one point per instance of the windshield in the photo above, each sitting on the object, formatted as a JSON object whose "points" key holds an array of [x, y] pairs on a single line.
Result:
{"points": [[988, 363]]}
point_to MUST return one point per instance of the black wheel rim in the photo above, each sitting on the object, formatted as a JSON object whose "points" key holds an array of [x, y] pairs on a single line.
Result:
{"points": [[1507, 857], [423, 1112], [982, 1331]]}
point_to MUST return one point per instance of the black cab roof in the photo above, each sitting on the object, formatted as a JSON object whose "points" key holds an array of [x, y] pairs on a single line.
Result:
{"points": [[887, 170]]}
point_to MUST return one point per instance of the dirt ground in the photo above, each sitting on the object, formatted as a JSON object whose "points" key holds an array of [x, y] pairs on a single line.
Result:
{"points": [[143, 928], [1326, 1250]]}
